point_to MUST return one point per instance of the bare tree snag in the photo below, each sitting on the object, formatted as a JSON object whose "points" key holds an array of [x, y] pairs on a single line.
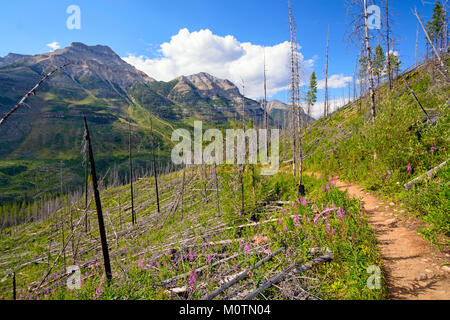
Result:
{"points": [[216, 178], [326, 107], [14, 287], [369, 62], [29, 93], [154, 165], [293, 142], [101, 224], [266, 115], [388, 43], [133, 214]]}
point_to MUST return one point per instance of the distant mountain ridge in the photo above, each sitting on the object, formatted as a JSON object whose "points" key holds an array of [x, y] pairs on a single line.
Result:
{"points": [[111, 93]]}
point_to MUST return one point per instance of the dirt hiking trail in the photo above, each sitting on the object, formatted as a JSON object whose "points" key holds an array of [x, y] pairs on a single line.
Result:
{"points": [[413, 269]]}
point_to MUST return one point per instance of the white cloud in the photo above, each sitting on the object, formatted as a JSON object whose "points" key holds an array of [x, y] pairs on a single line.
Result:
{"points": [[335, 81], [334, 104], [224, 57], [54, 45]]}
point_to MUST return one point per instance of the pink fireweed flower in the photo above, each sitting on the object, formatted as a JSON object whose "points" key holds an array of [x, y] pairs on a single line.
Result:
{"points": [[208, 258], [341, 213], [297, 221], [191, 256], [280, 220], [294, 205], [140, 263], [304, 202], [409, 169], [327, 188], [285, 228], [432, 149], [192, 279], [298, 201], [246, 249]]}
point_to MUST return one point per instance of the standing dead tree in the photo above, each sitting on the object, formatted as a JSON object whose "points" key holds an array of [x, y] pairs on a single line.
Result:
{"points": [[266, 111], [293, 91], [326, 106], [359, 26], [388, 43], [369, 62], [133, 214], [101, 224], [32, 92], [155, 173]]}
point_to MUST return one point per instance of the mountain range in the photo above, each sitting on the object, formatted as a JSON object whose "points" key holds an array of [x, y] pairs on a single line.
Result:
{"points": [[112, 94]]}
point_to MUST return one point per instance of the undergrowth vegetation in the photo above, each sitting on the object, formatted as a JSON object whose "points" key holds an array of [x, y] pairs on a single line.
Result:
{"points": [[404, 143], [195, 246]]}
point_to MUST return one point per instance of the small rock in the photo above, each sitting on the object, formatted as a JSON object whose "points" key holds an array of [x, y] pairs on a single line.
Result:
{"points": [[402, 211], [446, 268], [428, 271], [392, 204], [391, 221], [424, 260], [423, 276]]}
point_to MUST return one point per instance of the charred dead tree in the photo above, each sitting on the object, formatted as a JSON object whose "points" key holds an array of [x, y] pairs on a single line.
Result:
{"points": [[293, 90], [326, 108], [266, 111], [62, 215], [86, 191], [32, 92], [388, 44], [369, 62], [14, 286], [101, 224], [133, 214], [155, 173]]}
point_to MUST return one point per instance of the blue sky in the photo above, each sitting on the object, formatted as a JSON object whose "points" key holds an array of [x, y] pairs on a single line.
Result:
{"points": [[136, 29]]}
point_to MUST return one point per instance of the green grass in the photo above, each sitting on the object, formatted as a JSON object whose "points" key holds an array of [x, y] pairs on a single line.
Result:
{"points": [[143, 256], [377, 156]]}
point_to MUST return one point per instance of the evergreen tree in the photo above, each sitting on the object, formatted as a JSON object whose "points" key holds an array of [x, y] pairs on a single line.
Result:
{"points": [[395, 63], [436, 27], [311, 96], [379, 60]]}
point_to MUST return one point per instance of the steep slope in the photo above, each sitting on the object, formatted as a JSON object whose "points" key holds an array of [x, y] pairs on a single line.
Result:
{"points": [[111, 93], [281, 113], [404, 143]]}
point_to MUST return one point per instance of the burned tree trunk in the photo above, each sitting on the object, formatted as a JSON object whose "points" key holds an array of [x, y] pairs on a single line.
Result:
{"points": [[154, 165], [133, 214], [326, 107], [388, 43], [101, 224], [369, 63]]}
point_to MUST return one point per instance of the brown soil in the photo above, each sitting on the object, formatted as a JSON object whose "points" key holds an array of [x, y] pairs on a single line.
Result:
{"points": [[413, 269]]}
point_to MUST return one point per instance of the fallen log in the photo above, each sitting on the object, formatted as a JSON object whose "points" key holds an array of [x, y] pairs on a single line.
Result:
{"points": [[241, 276], [430, 173], [299, 269]]}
